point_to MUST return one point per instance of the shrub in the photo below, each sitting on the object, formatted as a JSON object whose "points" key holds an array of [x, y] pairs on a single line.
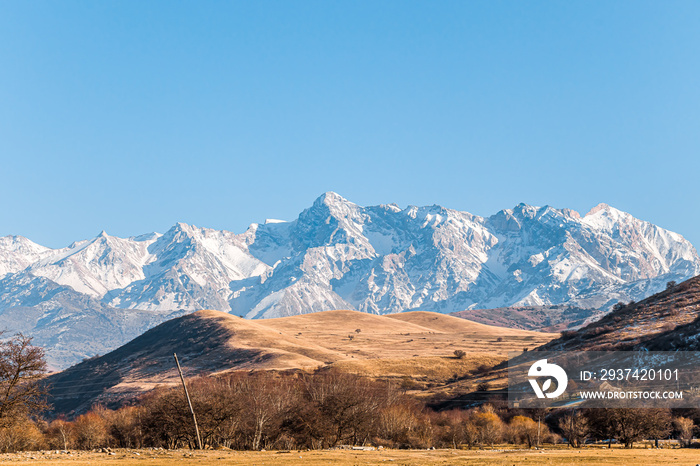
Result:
{"points": [[20, 436], [60, 434], [489, 426], [483, 386], [684, 427], [522, 429], [92, 430]]}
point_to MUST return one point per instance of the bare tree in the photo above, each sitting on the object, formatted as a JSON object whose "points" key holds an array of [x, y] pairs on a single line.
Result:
{"points": [[523, 429], [21, 368], [60, 434], [601, 422], [399, 421], [266, 400], [125, 427], [166, 420], [345, 407], [685, 428], [629, 425], [539, 414], [658, 423], [574, 426], [489, 425], [91, 429], [22, 435]]}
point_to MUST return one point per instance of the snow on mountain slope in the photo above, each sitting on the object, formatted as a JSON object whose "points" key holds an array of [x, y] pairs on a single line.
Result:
{"points": [[186, 268], [189, 268], [69, 325], [378, 259], [384, 259], [17, 253], [96, 266]]}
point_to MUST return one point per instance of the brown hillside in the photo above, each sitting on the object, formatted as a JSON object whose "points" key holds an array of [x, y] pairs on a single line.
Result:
{"points": [[417, 344], [666, 321], [451, 324]]}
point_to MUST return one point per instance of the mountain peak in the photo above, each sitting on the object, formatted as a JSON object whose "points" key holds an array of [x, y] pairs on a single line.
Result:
{"points": [[333, 204], [183, 227], [606, 216], [180, 230], [147, 236], [339, 255], [521, 210], [602, 206], [16, 239], [393, 207], [331, 198], [607, 209]]}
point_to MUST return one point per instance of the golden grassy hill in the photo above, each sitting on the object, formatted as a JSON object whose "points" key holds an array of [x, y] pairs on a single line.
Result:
{"points": [[420, 345]]}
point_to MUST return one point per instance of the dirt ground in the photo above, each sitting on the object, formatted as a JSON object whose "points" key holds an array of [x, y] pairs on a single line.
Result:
{"points": [[503, 457]]}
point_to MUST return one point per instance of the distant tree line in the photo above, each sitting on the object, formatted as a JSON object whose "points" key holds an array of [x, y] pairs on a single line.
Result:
{"points": [[268, 410], [255, 411]]}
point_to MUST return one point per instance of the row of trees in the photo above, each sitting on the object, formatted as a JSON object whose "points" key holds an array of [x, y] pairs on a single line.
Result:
{"points": [[626, 425], [294, 411], [284, 411], [273, 411]]}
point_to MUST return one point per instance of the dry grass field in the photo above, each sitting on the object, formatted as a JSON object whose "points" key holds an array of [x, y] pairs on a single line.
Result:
{"points": [[500, 457], [406, 335], [414, 344]]}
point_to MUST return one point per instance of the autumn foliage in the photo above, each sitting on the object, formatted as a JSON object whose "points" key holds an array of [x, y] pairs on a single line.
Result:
{"points": [[268, 410]]}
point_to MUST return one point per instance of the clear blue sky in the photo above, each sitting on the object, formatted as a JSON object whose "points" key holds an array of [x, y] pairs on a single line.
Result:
{"points": [[130, 116]]}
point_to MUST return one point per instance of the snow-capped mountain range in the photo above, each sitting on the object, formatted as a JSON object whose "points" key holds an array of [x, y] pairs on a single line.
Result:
{"points": [[338, 255]]}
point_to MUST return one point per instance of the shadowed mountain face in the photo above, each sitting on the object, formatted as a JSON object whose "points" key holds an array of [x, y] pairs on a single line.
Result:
{"points": [[337, 255], [666, 321], [211, 342]]}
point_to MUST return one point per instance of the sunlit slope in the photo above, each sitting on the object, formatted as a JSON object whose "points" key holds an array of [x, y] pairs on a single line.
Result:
{"points": [[451, 324], [416, 344]]}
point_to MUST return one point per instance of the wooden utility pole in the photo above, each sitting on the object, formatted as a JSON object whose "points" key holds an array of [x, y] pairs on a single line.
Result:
{"points": [[187, 395]]}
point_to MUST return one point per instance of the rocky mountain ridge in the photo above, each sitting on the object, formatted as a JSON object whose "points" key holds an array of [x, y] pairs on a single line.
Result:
{"points": [[338, 255]]}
